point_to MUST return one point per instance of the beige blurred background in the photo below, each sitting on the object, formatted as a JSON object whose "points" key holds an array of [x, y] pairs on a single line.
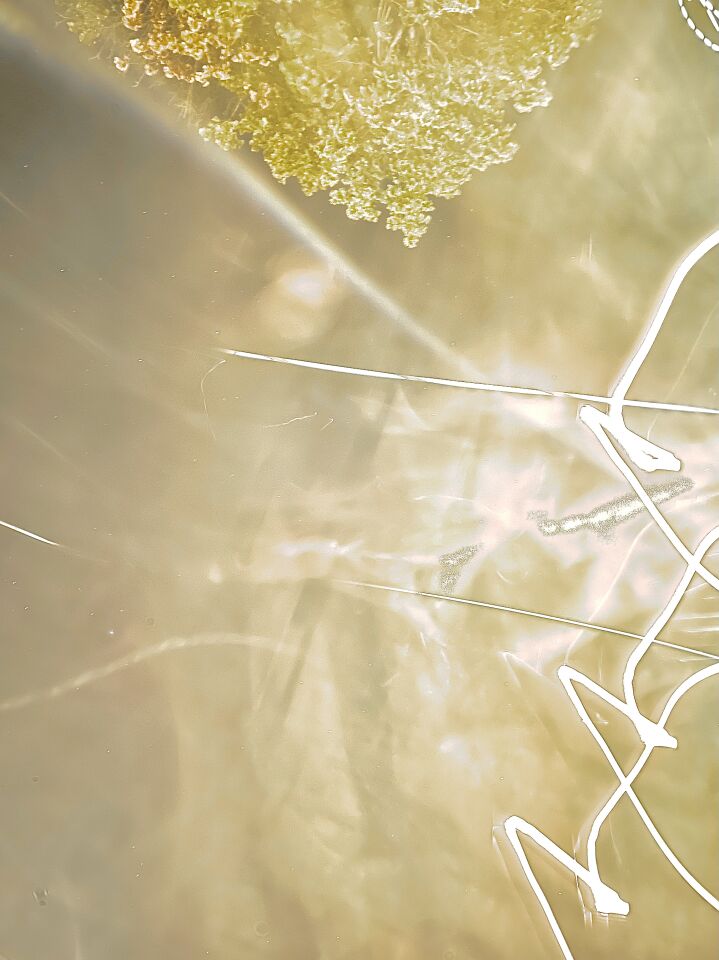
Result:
{"points": [[212, 746]]}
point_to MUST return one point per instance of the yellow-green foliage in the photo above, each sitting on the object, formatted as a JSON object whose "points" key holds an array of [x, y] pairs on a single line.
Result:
{"points": [[384, 103]]}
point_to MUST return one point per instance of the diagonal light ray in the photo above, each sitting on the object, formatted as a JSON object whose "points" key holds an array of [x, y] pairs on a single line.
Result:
{"points": [[94, 674], [257, 188]]}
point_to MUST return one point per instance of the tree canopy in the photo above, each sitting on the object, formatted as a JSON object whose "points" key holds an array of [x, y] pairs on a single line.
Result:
{"points": [[386, 104]]}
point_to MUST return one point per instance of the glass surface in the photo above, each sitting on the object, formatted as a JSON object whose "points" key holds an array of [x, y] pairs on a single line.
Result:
{"points": [[242, 714]]}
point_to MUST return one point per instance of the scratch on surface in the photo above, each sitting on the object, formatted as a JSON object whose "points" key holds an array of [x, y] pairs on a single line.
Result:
{"points": [[603, 519], [285, 423], [87, 677], [204, 397], [652, 733], [29, 533], [16, 208], [23, 428], [461, 384], [582, 624]]}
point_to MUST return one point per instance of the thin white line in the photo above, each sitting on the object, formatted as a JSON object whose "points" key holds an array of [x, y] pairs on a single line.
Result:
{"points": [[526, 613], [28, 533], [12, 203], [462, 384]]}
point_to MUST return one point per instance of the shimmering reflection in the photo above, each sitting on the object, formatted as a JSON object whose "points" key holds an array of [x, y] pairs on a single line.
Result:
{"points": [[213, 742]]}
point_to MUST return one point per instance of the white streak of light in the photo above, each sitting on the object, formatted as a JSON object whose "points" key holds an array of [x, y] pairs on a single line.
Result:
{"points": [[462, 384], [29, 533], [527, 613]]}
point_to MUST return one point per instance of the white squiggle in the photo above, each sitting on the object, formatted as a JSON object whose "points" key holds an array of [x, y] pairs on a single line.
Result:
{"points": [[652, 733], [712, 13]]}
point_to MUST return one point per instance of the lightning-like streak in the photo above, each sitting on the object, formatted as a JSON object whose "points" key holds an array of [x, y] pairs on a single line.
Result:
{"points": [[652, 733]]}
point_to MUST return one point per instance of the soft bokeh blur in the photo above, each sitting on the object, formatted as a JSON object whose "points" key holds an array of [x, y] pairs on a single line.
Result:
{"points": [[213, 743]]}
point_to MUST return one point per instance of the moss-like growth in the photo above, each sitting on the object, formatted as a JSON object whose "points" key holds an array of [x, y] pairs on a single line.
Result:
{"points": [[386, 104]]}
